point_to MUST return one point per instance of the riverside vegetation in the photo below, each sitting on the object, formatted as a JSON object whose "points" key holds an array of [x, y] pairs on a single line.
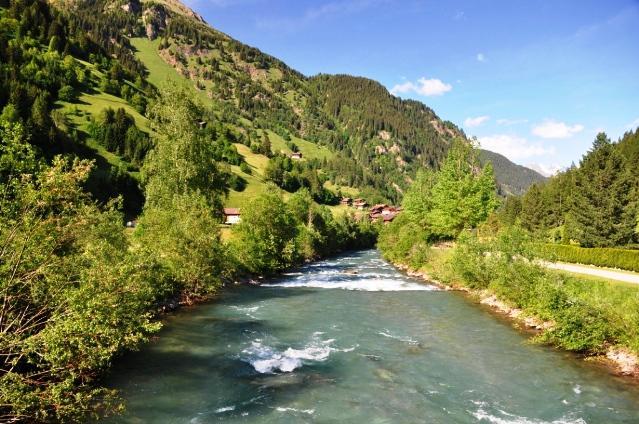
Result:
{"points": [[77, 290], [496, 254], [91, 134]]}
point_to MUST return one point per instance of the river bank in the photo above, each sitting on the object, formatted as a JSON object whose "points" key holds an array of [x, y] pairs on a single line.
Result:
{"points": [[618, 359]]}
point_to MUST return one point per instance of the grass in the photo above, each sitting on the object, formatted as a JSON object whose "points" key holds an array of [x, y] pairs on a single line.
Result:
{"points": [[351, 192], [594, 279], [257, 162], [161, 72], [309, 150]]}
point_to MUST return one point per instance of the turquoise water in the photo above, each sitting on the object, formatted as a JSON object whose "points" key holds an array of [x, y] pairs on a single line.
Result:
{"points": [[326, 345]]}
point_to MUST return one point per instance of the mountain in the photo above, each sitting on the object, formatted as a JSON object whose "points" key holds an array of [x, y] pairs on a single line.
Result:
{"points": [[357, 138], [515, 179]]}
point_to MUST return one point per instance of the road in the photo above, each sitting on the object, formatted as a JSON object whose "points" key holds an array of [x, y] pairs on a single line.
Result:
{"points": [[626, 276]]}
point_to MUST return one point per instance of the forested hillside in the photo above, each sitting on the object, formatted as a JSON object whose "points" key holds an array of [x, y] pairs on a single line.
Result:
{"points": [[594, 204], [515, 179], [378, 140]]}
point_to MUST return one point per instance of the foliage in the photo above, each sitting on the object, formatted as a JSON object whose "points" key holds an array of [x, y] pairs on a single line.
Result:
{"points": [[265, 239], [72, 295], [585, 316], [599, 256], [593, 205], [182, 159], [117, 132], [461, 195], [183, 188]]}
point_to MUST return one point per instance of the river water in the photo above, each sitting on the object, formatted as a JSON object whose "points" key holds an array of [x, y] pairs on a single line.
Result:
{"points": [[326, 345]]}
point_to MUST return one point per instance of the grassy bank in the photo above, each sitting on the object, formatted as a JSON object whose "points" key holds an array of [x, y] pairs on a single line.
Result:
{"points": [[593, 317], [599, 256]]}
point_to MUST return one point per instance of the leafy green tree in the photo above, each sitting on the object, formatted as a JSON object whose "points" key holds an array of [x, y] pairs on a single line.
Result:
{"points": [[182, 159], [179, 224], [183, 235], [265, 237], [71, 295], [464, 194], [417, 201]]}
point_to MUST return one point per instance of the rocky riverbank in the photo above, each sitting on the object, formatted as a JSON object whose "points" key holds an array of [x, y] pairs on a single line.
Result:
{"points": [[620, 360]]}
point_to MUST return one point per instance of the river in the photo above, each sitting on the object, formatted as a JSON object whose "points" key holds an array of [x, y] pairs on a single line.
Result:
{"points": [[327, 345]]}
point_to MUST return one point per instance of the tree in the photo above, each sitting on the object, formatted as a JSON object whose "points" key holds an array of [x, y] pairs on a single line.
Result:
{"points": [[71, 295], [182, 159], [464, 194], [179, 224], [603, 209], [417, 201], [532, 209], [265, 238], [66, 93]]}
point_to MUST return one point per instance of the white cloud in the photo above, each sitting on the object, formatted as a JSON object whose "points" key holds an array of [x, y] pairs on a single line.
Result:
{"points": [[634, 124], [509, 122], [513, 147], [554, 129], [423, 87], [481, 57], [476, 121], [545, 170]]}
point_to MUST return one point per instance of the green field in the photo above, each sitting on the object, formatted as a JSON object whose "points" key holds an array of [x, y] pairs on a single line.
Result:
{"points": [[161, 72]]}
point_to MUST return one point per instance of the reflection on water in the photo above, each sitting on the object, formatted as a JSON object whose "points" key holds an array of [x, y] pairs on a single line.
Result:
{"points": [[352, 340]]}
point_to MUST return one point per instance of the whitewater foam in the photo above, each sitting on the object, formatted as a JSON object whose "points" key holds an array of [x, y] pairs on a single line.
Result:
{"points": [[268, 360], [246, 310], [305, 411], [406, 339], [482, 415], [373, 284]]}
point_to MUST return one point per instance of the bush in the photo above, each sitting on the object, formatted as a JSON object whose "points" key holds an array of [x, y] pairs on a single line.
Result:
{"points": [[587, 315], [599, 256], [66, 93], [246, 168]]}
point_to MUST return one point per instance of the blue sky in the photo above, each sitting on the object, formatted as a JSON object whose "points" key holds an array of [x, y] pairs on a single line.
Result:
{"points": [[533, 80]]}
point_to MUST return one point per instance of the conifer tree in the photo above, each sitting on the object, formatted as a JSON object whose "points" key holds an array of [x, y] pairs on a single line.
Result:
{"points": [[602, 208]]}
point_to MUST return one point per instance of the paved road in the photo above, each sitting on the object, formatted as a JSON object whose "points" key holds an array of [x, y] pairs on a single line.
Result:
{"points": [[625, 276]]}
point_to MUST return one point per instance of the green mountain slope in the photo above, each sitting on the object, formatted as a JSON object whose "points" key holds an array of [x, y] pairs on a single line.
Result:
{"points": [[514, 179], [371, 142]]}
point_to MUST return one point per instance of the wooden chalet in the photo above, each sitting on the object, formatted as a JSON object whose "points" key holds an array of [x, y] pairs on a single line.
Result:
{"points": [[232, 216]]}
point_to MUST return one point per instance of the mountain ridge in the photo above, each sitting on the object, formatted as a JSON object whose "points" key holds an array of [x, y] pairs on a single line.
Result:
{"points": [[382, 138]]}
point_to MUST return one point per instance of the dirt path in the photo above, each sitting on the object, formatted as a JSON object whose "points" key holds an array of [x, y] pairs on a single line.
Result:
{"points": [[626, 276]]}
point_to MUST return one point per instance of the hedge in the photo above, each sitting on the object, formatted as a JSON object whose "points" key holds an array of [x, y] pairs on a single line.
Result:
{"points": [[599, 256]]}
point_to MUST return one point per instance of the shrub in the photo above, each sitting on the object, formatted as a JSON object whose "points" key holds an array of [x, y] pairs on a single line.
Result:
{"points": [[599, 256]]}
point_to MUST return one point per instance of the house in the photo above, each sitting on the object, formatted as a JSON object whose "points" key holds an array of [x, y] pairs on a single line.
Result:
{"points": [[346, 201], [384, 212], [296, 155], [202, 124], [231, 216], [360, 204]]}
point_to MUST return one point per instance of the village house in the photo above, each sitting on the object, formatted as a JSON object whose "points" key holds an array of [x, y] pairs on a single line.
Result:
{"points": [[231, 216], [296, 155], [360, 204], [383, 212], [347, 201]]}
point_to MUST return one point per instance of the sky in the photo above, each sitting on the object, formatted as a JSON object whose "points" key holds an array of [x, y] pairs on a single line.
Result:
{"points": [[533, 80]]}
